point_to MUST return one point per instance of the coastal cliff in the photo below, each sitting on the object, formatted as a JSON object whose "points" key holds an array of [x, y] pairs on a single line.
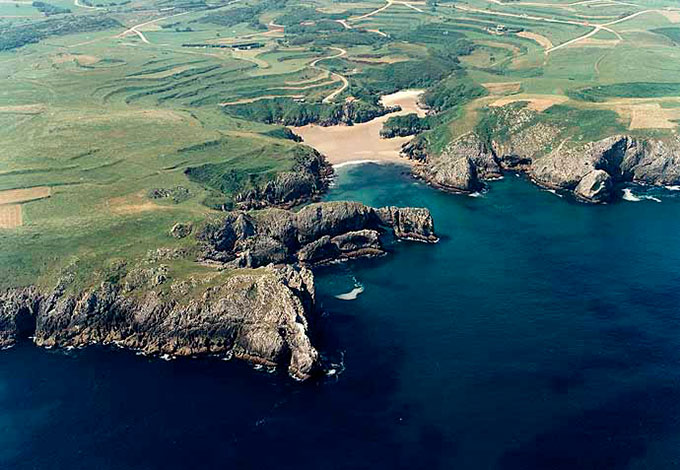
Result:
{"points": [[308, 178], [259, 316], [255, 303], [317, 234], [591, 171]]}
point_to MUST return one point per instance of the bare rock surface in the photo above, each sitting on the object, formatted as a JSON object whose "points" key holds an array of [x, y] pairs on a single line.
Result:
{"points": [[595, 187], [259, 316], [520, 141], [317, 234], [306, 180]]}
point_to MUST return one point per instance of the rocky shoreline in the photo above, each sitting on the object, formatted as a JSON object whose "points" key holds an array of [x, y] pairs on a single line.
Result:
{"points": [[307, 180], [257, 307], [593, 172]]}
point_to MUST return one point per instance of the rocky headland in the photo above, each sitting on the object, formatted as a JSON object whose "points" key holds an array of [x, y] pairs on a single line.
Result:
{"points": [[592, 171], [317, 234], [256, 303], [306, 180]]}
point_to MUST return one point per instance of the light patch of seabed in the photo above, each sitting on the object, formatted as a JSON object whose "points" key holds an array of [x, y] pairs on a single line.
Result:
{"points": [[353, 294]]}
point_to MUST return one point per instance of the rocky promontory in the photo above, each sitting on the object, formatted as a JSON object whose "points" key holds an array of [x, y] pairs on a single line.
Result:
{"points": [[319, 233], [592, 171], [254, 300], [307, 179], [259, 316]]}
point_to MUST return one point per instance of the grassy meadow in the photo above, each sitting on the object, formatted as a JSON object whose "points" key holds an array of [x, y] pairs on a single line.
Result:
{"points": [[109, 101]]}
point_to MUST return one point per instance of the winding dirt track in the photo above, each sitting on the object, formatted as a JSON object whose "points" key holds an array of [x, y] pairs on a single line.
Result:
{"points": [[342, 52], [135, 28], [604, 27], [78, 4], [596, 27], [345, 82]]}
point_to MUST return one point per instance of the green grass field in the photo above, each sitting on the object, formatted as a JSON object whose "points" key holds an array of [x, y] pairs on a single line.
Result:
{"points": [[103, 114]]}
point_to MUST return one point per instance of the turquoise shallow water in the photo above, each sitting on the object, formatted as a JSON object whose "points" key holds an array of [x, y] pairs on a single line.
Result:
{"points": [[538, 334]]}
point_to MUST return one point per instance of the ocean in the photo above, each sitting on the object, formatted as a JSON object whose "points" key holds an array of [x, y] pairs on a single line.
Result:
{"points": [[539, 333]]}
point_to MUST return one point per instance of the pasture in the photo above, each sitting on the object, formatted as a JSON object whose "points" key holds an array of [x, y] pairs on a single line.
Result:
{"points": [[101, 105]]}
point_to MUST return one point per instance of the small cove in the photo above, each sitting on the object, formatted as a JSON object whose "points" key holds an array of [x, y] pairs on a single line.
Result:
{"points": [[362, 142]]}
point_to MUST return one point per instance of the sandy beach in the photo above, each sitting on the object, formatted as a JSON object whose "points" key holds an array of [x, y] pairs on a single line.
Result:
{"points": [[362, 142]]}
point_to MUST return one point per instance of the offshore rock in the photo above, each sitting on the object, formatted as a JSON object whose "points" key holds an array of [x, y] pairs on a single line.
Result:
{"points": [[258, 316], [595, 187], [317, 234], [409, 223]]}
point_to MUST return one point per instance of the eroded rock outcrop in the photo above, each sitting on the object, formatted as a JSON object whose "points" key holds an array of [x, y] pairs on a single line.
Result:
{"points": [[592, 171], [259, 316], [317, 234], [461, 167], [596, 186], [307, 179]]}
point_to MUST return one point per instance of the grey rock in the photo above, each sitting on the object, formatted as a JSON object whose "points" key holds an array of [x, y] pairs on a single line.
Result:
{"points": [[461, 166], [360, 243], [332, 218], [259, 317], [319, 251], [308, 178], [318, 233], [595, 187], [659, 163], [410, 223], [522, 141]]}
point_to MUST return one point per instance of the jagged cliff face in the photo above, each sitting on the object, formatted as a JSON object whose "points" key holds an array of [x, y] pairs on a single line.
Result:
{"points": [[462, 167], [258, 315], [591, 171], [319, 233], [308, 178]]}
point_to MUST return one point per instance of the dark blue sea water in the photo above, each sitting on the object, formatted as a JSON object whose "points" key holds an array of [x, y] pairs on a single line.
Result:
{"points": [[538, 334]]}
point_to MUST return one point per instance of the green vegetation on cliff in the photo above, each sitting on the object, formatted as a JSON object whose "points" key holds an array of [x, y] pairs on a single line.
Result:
{"points": [[401, 126]]}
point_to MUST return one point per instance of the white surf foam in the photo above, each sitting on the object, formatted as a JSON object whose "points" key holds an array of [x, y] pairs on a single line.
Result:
{"points": [[351, 295], [354, 162], [629, 196], [475, 194], [336, 369], [673, 188], [552, 191]]}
